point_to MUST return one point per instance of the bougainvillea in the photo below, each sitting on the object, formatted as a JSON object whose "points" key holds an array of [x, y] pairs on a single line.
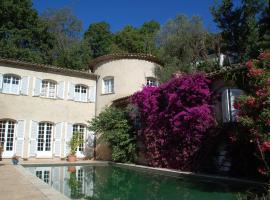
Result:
{"points": [[254, 109], [174, 118]]}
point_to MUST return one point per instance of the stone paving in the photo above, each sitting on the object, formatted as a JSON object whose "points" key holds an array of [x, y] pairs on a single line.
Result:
{"points": [[17, 183]]}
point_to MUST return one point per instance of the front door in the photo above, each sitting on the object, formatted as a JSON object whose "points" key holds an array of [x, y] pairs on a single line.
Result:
{"points": [[44, 142], [7, 131]]}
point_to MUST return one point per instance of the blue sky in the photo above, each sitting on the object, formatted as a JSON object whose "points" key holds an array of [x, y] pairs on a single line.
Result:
{"points": [[119, 13]]}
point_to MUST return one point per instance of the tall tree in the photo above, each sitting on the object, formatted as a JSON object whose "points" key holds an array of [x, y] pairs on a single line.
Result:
{"points": [[99, 38], [149, 32], [265, 28], [23, 35], [182, 44], [239, 26], [129, 40], [69, 50]]}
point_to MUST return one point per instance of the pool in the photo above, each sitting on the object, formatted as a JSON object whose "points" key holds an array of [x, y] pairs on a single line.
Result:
{"points": [[119, 183]]}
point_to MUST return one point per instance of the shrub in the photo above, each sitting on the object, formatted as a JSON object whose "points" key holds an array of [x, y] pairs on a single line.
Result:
{"points": [[254, 109], [174, 119], [114, 126]]}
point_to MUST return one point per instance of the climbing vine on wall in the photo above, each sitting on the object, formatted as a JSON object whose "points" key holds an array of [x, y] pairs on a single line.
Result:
{"points": [[175, 118]]}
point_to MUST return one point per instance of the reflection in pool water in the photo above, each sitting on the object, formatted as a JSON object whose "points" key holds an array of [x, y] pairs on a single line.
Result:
{"points": [[115, 183]]}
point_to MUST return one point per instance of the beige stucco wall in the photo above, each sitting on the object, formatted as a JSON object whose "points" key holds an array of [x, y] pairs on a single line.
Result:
{"points": [[129, 77], [18, 107]]}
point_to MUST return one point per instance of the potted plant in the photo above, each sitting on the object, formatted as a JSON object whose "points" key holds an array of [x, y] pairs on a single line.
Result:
{"points": [[74, 142], [15, 159]]}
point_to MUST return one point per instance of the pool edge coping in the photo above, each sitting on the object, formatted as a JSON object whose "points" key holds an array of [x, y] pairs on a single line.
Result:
{"points": [[179, 174], [48, 191]]}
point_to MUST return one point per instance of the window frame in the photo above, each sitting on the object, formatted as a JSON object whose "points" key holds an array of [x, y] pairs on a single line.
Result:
{"points": [[11, 84], [229, 113], [48, 88], [110, 89], [79, 95], [153, 79], [82, 128]]}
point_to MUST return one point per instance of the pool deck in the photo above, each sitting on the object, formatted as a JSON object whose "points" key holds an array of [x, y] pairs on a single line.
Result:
{"points": [[17, 183]]}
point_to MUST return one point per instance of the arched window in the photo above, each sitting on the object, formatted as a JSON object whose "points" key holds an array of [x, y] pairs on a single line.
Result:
{"points": [[11, 84], [229, 113], [48, 89], [44, 136], [151, 81], [7, 132], [80, 93], [108, 85], [82, 130]]}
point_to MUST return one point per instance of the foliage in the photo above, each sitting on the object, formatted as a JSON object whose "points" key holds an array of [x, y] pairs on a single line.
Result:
{"points": [[69, 51], [75, 186], [75, 141], [99, 38], [257, 99], [183, 42], [23, 35], [114, 126], [239, 25], [174, 119]]}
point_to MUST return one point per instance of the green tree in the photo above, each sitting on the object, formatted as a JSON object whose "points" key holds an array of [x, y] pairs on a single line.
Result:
{"points": [[129, 40], [99, 39], [149, 32], [114, 126], [69, 50], [23, 35], [265, 28], [182, 43], [239, 26]]}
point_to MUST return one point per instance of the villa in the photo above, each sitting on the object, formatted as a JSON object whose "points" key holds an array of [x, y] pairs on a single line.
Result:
{"points": [[41, 106]]}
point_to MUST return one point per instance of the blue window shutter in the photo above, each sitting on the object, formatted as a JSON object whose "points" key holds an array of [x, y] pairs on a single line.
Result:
{"points": [[1, 82], [57, 139], [33, 139], [71, 91], [68, 136], [37, 88], [20, 137], [225, 106], [61, 90], [92, 94], [24, 85]]}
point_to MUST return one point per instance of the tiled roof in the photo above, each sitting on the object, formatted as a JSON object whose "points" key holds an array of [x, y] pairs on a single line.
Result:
{"points": [[147, 57], [47, 68]]}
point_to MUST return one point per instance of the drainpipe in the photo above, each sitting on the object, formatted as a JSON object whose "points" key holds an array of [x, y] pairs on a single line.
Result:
{"points": [[95, 137]]}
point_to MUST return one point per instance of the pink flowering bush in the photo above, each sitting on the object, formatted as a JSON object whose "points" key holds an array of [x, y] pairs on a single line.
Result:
{"points": [[175, 118], [254, 109]]}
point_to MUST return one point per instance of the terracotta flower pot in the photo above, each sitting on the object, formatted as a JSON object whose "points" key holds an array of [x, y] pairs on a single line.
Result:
{"points": [[72, 158], [72, 169]]}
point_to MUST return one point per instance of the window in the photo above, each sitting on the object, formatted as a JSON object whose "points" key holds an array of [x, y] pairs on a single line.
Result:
{"points": [[150, 81], [229, 113], [11, 84], [44, 136], [108, 85], [7, 129], [80, 93], [48, 89], [82, 130]]}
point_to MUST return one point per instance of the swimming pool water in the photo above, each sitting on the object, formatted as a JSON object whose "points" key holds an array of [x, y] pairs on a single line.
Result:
{"points": [[117, 183]]}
